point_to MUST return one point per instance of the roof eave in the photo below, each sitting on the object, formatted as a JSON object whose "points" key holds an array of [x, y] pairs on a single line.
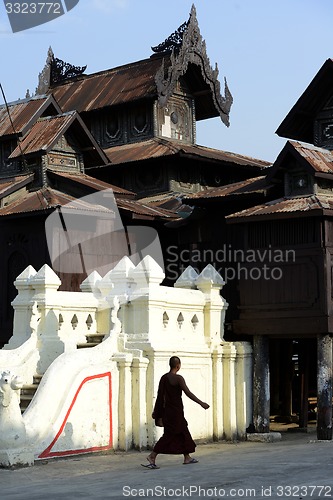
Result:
{"points": [[316, 212], [294, 125]]}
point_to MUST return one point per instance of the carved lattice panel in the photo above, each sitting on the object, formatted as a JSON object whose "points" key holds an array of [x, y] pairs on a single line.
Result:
{"points": [[140, 121], [175, 121]]}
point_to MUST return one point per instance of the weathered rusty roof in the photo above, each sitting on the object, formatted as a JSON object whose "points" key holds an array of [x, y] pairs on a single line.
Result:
{"points": [[23, 114], [157, 147], [45, 133], [253, 185], [93, 183], [171, 201], [320, 159], [317, 161], [156, 77], [114, 86], [46, 199], [286, 206], [8, 186], [145, 211]]}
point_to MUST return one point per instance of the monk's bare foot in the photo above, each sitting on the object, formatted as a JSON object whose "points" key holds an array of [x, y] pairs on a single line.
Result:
{"points": [[151, 459], [190, 460]]}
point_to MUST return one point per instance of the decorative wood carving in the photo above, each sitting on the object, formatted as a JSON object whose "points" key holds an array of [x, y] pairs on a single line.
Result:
{"points": [[61, 70], [56, 71], [173, 42], [191, 49]]}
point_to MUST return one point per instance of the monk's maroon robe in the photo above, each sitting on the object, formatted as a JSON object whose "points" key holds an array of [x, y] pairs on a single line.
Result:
{"points": [[169, 405]]}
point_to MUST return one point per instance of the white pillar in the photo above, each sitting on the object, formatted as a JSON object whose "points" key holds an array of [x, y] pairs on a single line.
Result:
{"points": [[139, 402], [244, 387], [125, 432], [45, 284], [22, 305], [209, 282], [217, 409], [229, 391]]}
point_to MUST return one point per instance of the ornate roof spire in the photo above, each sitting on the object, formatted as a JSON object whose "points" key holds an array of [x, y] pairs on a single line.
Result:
{"points": [[188, 47], [44, 76]]}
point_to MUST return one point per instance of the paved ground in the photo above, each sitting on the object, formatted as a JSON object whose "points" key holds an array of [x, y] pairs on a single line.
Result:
{"points": [[298, 466]]}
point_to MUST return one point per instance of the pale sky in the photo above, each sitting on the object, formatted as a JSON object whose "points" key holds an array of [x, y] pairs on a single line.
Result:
{"points": [[269, 51]]}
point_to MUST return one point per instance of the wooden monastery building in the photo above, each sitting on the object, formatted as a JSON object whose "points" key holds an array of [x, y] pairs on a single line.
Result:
{"points": [[266, 228]]}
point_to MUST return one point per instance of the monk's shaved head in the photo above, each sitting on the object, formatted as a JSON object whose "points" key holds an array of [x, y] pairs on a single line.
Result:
{"points": [[174, 361]]}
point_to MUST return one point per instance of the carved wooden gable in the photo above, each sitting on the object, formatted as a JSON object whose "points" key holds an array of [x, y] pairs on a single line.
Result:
{"points": [[59, 142], [64, 157], [302, 170], [16, 119], [188, 59]]}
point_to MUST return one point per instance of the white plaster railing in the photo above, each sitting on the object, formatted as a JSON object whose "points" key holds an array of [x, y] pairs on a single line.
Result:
{"points": [[120, 376], [23, 360], [64, 318]]}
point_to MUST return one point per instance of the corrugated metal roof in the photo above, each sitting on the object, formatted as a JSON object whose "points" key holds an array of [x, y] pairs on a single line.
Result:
{"points": [[49, 198], [110, 87], [8, 186], [171, 197], [319, 158], [253, 185], [156, 147], [168, 201], [22, 113], [45, 199], [93, 183], [287, 205], [43, 134], [145, 210]]}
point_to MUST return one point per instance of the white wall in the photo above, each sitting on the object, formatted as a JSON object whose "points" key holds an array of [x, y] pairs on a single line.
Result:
{"points": [[102, 397]]}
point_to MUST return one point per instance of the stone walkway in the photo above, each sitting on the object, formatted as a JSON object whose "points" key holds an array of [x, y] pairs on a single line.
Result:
{"points": [[298, 466]]}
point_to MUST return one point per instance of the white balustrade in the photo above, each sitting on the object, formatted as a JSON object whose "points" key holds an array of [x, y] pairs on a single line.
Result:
{"points": [[143, 323]]}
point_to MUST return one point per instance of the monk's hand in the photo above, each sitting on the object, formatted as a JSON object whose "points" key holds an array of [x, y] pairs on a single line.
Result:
{"points": [[205, 406]]}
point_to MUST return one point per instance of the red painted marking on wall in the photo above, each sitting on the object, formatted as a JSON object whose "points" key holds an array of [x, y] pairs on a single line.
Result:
{"points": [[47, 453]]}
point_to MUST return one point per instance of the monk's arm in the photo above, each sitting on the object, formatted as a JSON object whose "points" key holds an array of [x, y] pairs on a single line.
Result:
{"points": [[190, 394]]}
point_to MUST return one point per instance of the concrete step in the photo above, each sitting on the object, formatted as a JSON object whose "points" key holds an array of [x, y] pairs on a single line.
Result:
{"points": [[28, 391], [87, 344], [92, 340], [95, 337]]}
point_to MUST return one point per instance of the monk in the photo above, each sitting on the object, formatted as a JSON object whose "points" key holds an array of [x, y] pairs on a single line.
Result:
{"points": [[169, 407]]}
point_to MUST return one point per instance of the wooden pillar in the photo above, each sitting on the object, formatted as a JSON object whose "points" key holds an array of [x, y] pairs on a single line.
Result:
{"points": [[261, 389], [304, 389], [324, 386], [286, 380], [275, 375]]}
